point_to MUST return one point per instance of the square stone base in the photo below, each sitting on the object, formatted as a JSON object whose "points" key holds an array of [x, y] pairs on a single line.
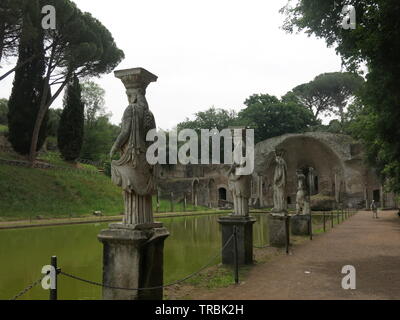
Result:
{"points": [[244, 227], [300, 225], [277, 230], [133, 258]]}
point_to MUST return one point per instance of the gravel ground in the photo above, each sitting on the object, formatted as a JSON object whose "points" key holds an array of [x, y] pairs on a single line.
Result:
{"points": [[313, 270]]}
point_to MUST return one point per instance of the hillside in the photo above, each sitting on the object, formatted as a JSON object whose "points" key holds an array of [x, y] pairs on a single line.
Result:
{"points": [[63, 191], [26, 192]]}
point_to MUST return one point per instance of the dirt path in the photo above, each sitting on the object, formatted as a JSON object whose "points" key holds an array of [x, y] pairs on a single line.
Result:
{"points": [[371, 246]]}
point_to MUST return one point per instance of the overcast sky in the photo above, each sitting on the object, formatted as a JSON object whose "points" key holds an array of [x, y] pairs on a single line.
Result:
{"points": [[205, 53]]}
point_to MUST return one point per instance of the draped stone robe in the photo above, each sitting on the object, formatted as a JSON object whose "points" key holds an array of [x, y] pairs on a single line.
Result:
{"points": [[240, 186], [280, 176], [132, 171]]}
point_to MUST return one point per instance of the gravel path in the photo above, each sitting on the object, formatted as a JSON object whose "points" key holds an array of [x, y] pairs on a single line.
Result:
{"points": [[313, 271]]}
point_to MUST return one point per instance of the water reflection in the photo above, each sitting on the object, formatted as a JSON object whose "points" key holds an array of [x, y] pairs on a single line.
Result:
{"points": [[23, 252]]}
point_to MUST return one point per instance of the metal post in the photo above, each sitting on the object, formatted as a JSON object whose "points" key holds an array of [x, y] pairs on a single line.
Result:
{"points": [[236, 254], [324, 222], [341, 212], [310, 227], [172, 202], [53, 292], [337, 216], [287, 234], [331, 219]]}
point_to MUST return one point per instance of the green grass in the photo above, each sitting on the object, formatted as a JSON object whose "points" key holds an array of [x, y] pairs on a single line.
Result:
{"points": [[165, 206], [318, 225], [26, 193], [217, 277]]}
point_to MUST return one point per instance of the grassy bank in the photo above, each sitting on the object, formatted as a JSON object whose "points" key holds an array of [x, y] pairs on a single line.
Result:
{"points": [[27, 193]]}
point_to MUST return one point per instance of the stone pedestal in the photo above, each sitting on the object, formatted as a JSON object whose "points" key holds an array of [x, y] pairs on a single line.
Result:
{"points": [[277, 229], [244, 227], [133, 258], [300, 225]]}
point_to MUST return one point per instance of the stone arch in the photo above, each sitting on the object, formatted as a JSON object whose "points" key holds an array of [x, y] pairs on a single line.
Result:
{"points": [[222, 194], [304, 151]]}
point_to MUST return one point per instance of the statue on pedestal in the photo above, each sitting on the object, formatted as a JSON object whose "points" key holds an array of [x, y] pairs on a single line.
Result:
{"points": [[311, 182], [280, 179], [240, 186], [132, 172], [301, 192]]}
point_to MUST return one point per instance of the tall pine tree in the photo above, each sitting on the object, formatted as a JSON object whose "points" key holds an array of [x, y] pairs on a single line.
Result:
{"points": [[28, 83], [70, 130]]}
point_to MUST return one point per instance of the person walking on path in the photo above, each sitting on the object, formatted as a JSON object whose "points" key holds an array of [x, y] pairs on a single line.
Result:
{"points": [[374, 210]]}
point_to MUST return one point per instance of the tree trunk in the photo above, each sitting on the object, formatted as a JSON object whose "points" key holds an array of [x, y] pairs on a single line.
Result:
{"points": [[2, 30], [41, 114]]}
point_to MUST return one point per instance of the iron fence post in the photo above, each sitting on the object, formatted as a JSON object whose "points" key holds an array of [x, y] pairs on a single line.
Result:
{"points": [[236, 254], [53, 292], [287, 233]]}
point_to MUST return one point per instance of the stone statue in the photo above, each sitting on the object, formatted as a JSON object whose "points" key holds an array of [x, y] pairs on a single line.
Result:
{"points": [[240, 187], [132, 172], [280, 178], [301, 192], [311, 182]]}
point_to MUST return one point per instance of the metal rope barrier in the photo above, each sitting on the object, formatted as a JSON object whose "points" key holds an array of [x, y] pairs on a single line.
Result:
{"points": [[34, 284], [151, 288]]}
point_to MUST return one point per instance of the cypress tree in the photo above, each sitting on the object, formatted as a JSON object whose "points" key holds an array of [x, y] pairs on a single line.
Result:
{"points": [[71, 127], [28, 83]]}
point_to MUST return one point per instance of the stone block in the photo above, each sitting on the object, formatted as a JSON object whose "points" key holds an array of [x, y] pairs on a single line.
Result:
{"points": [[133, 258], [277, 230], [300, 225], [244, 227]]}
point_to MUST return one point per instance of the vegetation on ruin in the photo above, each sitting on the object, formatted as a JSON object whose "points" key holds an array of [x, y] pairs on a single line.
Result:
{"points": [[374, 43]]}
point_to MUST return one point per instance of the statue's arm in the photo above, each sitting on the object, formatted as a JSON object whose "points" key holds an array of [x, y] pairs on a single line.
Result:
{"points": [[125, 131]]}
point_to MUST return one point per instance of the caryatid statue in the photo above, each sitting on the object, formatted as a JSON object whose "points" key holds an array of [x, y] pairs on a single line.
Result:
{"points": [[240, 186], [280, 180], [132, 172], [301, 194]]}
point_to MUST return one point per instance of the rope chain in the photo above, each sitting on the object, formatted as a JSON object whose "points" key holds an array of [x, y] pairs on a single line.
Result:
{"points": [[34, 284], [151, 288]]}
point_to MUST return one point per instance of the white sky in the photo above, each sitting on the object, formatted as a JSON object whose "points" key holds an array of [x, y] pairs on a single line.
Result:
{"points": [[205, 53]]}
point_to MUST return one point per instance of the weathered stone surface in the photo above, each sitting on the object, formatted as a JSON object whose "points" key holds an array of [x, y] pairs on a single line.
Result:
{"points": [[132, 172], [133, 251], [320, 202], [277, 230], [133, 259], [280, 181], [300, 225], [336, 162], [244, 227]]}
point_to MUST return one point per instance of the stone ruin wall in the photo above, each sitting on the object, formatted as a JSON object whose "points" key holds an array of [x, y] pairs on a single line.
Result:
{"points": [[331, 155]]}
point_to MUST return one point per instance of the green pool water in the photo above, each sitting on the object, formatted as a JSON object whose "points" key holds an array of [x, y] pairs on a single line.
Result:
{"points": [[23, 252]]}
